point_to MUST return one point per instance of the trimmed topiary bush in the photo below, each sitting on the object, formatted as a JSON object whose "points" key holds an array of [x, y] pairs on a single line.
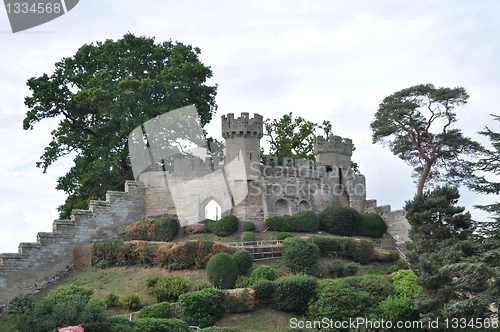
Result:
{"points": [[249, 226], [159, 310], [372, 225], [202, 308], [248, 237], [222, 271], [284, 235], [351, 269], [340, 220], [158, 229], [305, 221], [293, 293], [244, 261], [264, 272], [264, 290], [279, 223], [225, 226], [336, 268], [300, 255]]}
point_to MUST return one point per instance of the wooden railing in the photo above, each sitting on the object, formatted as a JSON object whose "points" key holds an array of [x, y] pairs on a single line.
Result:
{"points": [[261, 249]]}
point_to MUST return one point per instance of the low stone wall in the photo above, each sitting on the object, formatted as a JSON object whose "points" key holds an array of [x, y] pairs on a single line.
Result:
{"points": [[39, 263]]}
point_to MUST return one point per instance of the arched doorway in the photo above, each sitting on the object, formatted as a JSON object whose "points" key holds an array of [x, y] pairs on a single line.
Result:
{"points": [[213, 210], [282, 207], [304, 205]]}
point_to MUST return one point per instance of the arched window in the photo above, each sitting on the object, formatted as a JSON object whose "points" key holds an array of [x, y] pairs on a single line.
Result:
{"points": [[304, 205], [212, 210], [282, 207]]}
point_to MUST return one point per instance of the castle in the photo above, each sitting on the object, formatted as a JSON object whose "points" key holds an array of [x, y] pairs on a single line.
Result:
{"points": [[241, 185]]}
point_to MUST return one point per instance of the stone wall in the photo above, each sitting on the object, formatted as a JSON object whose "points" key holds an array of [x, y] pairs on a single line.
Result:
{"points": [[37, 264]]}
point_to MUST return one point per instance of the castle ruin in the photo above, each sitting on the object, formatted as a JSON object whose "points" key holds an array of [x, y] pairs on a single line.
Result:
{"points": [[240, 185]]}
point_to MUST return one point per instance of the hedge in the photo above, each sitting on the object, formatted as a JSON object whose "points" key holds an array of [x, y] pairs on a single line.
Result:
{"points": [[292, 293], [340, 220], [225, 226], [158, 229], [361, 251], [202, 308], [305, 221], [372, 225], [300, 255]]}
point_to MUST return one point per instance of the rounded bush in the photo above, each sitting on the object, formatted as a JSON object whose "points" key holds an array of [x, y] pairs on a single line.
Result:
{"points": [[279, 223], [340, 220], [293, 293], [300, 255], [284, 235], [264, 272], [225, 226], [351, 269], [372, 225], [244, 261], [337, 268], [264, 290], [19, 304], [202, 308], [159, 310], [160, 325], [305, 221], [249, 226], [248, 237], [222, 271]]}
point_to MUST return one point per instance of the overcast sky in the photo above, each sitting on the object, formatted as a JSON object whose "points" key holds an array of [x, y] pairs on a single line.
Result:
{"points": [[323, 60]]}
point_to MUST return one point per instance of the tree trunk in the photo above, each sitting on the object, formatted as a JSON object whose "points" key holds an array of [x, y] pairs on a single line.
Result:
{"points": [[423, 177]]}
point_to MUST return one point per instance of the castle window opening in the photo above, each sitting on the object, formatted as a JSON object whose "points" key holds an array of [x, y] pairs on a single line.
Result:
{"points": [[304, 205], [212, 210], [282, 207], [340, 175]]}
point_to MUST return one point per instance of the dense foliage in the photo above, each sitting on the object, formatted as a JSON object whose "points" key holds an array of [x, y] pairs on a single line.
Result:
{"points": [[244, 261], [305, 221], [159, 310], [264, 272], [166, 288], [340, 220], [361, 251], [222, 271], [225, 226], [279, 223], [372, 225], [300, 255], [249, 226], [202, 308], [293, 293]]}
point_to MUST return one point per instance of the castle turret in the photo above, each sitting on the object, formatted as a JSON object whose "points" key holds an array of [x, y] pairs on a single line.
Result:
{"points": [[242, 137], [333, 152]]}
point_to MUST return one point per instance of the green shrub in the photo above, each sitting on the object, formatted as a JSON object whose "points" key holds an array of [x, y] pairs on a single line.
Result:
{"points": [[372, 225], [248, 237], [300, 255], [400, 264], [159, 310], [336, 268], [160, 325], [112, 300], [264, 272], [132, 301], [202, 308], [404, 283], [19, 304], [264, 290], [68, 292], [293, 293], [166, 288], [279, 223], [244, 260], [351, 269], [340, 220], [284, 235], [222, 271], [221, 329], [203, 285], [305, 221], [225, 226], [158, 229], [249, 226], [361, 251], [398, 308], [243, 282]]}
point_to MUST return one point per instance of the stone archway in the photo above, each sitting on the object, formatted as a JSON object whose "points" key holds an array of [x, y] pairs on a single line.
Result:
{"points": [[282, 207], [212, 210], [304, 205]]}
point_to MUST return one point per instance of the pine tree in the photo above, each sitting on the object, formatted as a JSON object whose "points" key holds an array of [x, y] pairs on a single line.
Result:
{"points": [[444, 257]]}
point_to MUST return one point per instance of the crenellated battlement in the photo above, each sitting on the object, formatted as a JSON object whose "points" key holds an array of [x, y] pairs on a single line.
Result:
{"points": [[242, 126], [334, 144]]}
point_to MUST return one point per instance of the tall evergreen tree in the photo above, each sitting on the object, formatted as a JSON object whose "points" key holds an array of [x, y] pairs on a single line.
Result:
{"points": [[444, 257]]}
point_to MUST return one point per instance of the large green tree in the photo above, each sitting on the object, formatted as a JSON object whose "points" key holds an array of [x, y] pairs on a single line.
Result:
{"points": [[417, 125], [100, 95], [445, 259]]}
